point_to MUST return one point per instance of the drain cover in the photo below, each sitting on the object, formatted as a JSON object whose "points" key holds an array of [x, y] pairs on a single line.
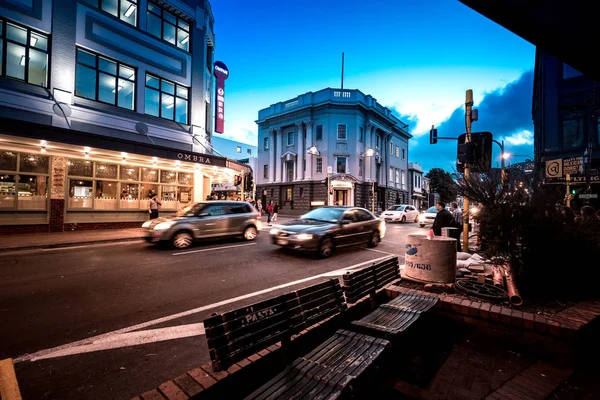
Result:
{"points": [[483, 290]]}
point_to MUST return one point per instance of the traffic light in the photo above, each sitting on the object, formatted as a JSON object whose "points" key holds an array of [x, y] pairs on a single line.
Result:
{"points": [[477, 153], [433, 136], [248, 182], [237, 180]]}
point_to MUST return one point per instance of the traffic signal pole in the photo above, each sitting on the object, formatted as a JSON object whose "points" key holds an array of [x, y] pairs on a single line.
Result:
{"points": [[468, 109]]}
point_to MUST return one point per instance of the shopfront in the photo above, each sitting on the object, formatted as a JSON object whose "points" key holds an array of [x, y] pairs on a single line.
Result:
{"points": [[53, 186]]}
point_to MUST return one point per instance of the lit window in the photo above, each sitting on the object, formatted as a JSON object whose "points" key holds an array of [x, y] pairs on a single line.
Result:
{"points": [[23, 54], [166, 99], [101, 79], [167, 27], [126, 10]]}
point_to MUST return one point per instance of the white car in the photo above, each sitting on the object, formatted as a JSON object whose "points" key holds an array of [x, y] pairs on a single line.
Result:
{"points": [[427, 217], [400, 213]]}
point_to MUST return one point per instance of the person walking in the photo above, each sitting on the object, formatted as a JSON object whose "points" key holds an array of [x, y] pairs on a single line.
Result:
{"points": [[153, 204], [275, 211], [269, 212], [458, 223], [443, 219]]}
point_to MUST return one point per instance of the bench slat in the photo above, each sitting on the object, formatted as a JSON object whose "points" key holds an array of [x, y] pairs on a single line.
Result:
{"points": [[364, 281]]}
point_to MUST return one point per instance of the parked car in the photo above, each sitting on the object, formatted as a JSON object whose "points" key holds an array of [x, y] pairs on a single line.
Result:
{"points": [[324, 229], [427, 217], [210, 219], [400, 213]]}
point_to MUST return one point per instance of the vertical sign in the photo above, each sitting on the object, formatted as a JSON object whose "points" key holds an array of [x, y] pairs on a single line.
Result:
{"points": [[222, 73]]}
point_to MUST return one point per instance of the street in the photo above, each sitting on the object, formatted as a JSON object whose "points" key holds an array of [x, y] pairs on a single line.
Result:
{"points": [[112, 321]]}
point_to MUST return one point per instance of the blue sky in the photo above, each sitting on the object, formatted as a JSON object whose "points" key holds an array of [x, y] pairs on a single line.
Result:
{"points": [[417, 58]]}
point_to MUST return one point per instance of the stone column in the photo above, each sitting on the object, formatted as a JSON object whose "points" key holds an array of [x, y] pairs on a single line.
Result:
{"points": [[272, 145], [58, 180], [278, 172], [310, 159], [301, 153]]}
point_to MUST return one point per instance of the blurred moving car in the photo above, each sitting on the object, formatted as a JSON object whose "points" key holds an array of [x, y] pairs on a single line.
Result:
{"points": [[400, 213], [427, 217], [326, 228], [202, 220]]}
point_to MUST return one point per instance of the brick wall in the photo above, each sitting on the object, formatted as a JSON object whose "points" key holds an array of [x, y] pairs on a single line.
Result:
{"points": [[57, 215]]}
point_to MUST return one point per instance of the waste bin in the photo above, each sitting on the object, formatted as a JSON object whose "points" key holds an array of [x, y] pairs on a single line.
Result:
{"points": [[430, 260]]}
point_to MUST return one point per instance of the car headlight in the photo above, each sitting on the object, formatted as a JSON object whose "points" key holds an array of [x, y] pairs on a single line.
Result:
{"points": [[274, 231], [163, 226], [147, 224], [305, 236]]}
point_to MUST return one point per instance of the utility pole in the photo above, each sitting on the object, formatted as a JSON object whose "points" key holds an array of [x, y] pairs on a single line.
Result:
{"points": [[468, 109], [342, 71]]}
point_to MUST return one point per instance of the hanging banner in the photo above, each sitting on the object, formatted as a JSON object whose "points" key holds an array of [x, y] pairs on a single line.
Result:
{"points": [[221, 73]]}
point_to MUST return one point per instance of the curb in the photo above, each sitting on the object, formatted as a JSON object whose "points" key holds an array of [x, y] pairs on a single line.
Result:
{"points": [[68, 244]]}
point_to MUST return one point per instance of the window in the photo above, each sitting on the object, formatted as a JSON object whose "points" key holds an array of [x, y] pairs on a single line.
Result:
{"points": [[391, 174], [361, 165], [166, 99], [319, 165], [341, 132], [319, 134], [266, 144], [167, 27], [289, 194], [361, 136], [125, 10], [290, 138], [101, 79], [209, 56], [570, 72], [376, 141], [23, 181], [23, 54], [238, 149], [340, 164], [362, 215], [249, 151], [573, 129], [403, 179], [398, 151], [403, 154], [397, 177], [391, 149], [266, 171]]}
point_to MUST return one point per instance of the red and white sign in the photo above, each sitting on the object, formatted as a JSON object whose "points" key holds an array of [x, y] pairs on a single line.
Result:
{"points": [[222, 73]]}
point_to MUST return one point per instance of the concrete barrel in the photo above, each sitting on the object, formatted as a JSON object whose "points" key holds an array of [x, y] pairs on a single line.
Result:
{"points": [[430, 261]]}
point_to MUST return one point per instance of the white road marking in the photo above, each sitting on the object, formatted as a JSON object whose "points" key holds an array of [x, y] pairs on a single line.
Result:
{"points": [[101, 338], [128, 339], [213, 248]]}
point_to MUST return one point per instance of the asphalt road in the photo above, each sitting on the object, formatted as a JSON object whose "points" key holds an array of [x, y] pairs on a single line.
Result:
{"points": [[112, 321]]}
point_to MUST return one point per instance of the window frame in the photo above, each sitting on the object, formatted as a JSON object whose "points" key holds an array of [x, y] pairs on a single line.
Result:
{"points": [[162, 26], [345, 132], [345, 164], [3, 51], [175, 97], [291, 135], [98, 4], [116, 76], [266, 171], [17, 173], [319, 165]]}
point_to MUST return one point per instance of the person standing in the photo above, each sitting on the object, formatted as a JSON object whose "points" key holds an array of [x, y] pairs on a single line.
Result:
{"points": [[443, 219], [275, 211], [458, 223], [153, 204], [269, 212]]}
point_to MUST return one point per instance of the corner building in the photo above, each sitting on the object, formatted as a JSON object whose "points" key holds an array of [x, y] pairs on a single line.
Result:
{"points": [[336, 137], [103, 102]]}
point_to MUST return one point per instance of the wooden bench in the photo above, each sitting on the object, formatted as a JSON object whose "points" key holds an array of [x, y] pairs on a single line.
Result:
{"points": [[329, 371], [237, 334], [366, 281]]}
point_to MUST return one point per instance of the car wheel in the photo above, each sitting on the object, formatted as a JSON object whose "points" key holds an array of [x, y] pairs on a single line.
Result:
{"points": [[182, 240], [374, 239], [326, 247], [250, 233], [404, 219]]}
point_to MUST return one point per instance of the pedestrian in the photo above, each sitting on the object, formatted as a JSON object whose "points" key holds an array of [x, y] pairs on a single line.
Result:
{"points": [[153, 204], [443, 219], [269, 212], [275, 211], [458, 223]]}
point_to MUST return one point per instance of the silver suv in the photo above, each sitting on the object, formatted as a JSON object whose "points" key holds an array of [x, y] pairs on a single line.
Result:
{"points": [[208, 219]]}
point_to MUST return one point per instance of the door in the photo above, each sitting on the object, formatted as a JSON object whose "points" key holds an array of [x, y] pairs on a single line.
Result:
{"points": [[340, 197], [367, 225], [212, 221], [350, 231], [411, 213], [237, 216]]}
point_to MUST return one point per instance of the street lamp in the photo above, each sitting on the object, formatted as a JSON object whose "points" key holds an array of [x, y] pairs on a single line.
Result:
{"points": [[369, 152]]}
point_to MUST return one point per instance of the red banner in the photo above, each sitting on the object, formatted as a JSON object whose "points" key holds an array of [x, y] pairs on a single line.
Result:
{"points": [[221, 73]]}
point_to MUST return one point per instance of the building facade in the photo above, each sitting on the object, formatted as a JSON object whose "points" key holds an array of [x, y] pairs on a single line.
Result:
{"points": [[331, 147], [566, 118], [103, 103], [418, 194], [242, 153]]}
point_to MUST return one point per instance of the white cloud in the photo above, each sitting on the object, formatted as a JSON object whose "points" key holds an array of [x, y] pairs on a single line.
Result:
{"points": [[523, 137]]}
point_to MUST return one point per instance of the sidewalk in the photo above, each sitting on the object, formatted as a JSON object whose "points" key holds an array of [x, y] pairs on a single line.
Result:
{"points": [[76, 238]]}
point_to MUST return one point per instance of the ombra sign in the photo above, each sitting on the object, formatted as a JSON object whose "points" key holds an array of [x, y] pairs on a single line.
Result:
{"points": [[221, 73]]}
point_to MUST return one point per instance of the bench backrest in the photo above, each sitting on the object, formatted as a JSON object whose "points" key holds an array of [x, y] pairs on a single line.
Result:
{"points": [[367, 280], [236, 334]]}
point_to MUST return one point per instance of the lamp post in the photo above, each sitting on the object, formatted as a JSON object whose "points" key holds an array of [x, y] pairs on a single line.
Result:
{"points": [[369, 152], [503, 156]]}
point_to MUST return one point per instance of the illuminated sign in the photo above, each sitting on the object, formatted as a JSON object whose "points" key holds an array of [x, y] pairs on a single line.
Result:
{"points": [[222, 73]]}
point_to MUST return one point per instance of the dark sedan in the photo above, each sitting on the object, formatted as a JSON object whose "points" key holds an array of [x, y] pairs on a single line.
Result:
{"points": [[326, 228]]}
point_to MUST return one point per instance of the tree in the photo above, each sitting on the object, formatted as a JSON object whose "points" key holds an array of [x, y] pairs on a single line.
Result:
{"points": [[441, 182]]}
